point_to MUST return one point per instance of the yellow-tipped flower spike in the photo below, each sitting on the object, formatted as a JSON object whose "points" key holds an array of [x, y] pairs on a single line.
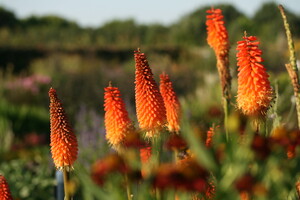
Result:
{"points": [[254, 90], [150, 109], [117, 122], [172, 104], [64, 147]]}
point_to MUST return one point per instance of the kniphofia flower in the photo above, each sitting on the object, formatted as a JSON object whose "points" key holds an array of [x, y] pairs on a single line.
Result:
{"points": [[4, 189], [209, 136], [254, 90], [63, 143], [145, 155], [150, 109], [217, 38], [117, 122], [172, 104]]}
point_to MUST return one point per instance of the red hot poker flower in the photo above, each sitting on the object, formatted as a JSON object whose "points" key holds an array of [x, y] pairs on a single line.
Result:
{"points": [[217, 36], [145, 155], [172, 104], [151, 112], [4, 189], [254, 90], [209, 136], [63, 143], [117, 122]]}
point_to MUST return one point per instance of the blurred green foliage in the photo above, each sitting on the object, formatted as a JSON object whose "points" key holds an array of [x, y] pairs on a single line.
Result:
{"points": [[55, 32], [30, 176]]}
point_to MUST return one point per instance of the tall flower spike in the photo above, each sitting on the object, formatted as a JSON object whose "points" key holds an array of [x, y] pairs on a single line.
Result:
{"points": [[117, 122], [217, 38], [172, 104], [151, 112], [254, 90], [4, 189], [63, 143]]}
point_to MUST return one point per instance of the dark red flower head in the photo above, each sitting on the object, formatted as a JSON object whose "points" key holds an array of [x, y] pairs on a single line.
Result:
{"points": [[4, 189]]}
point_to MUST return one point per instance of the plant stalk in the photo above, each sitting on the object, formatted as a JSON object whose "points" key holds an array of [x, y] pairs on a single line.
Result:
{"points": [[293, 72], [225, 79], [128, 190], [66, 180], [226, 107], [292, 66], [157, 147]]}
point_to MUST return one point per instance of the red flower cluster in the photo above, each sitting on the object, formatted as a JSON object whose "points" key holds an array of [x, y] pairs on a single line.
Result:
{"points": [[187, 175], [63, 144], [4, 189], [133, 140], [110, 164], [175, 142], [287, 139]]}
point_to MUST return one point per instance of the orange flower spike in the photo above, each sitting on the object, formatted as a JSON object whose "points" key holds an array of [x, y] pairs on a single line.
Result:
{"points": [[172, 104], [150, 109], [63, 142], [210, 135], [145, 155], [254, 90], [117, 122], [217, 36], [4, 189]]}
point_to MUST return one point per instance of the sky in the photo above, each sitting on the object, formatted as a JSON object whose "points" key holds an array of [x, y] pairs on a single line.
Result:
{"points": [[94, 13]]}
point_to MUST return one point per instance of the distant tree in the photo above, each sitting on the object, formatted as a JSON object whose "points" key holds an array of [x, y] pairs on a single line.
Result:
{"points": [[157, 35], [268, 21], [119, 33], [50, 20], [7, 18], [191, 29]]}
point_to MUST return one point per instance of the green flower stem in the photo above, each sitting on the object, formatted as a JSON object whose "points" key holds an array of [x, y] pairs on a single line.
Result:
{"points": [[156, 148], [289, 38], [66, 180], [128, 189], [226, 107]]}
